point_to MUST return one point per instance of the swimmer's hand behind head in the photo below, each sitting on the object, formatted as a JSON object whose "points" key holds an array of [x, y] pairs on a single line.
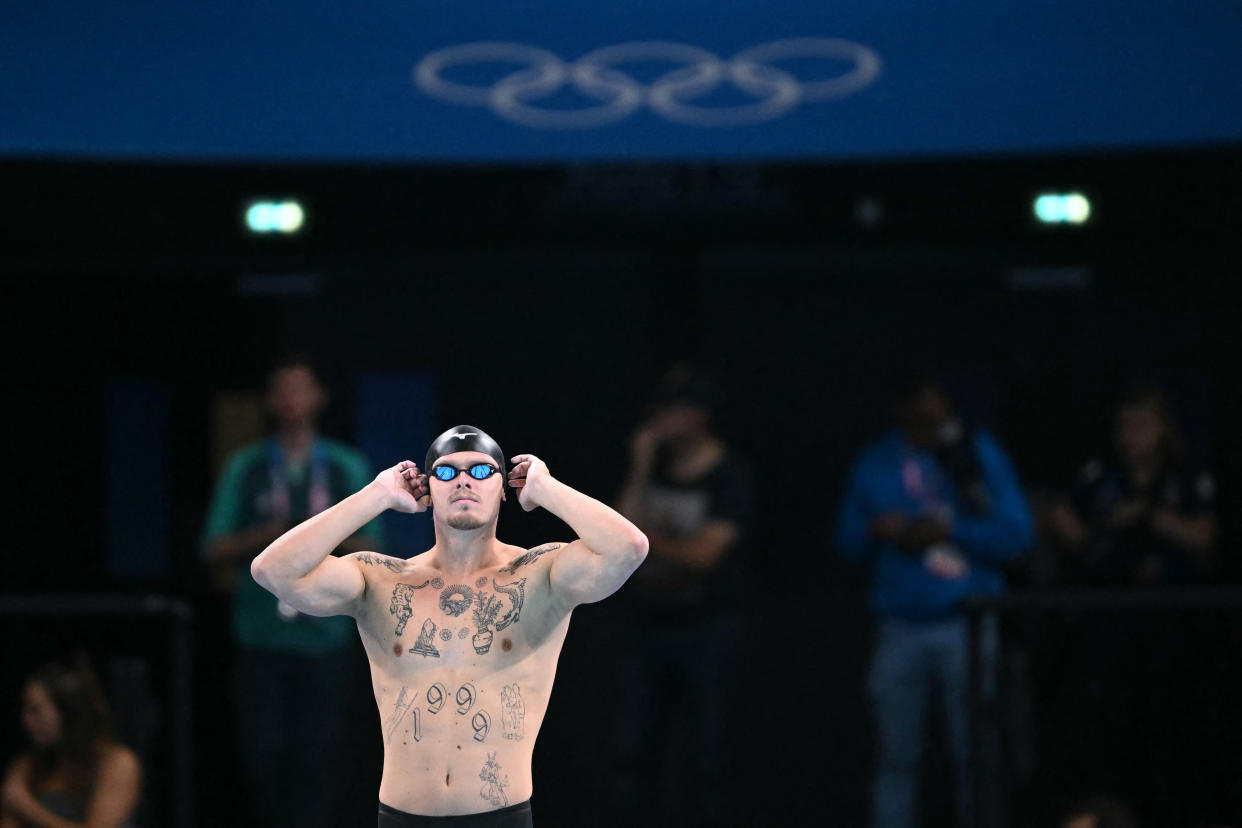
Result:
{"points": [[405, 487]]}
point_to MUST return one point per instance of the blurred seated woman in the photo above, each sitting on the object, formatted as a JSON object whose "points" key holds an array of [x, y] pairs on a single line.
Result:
{"points": [[1142, 516], [74, 774]]}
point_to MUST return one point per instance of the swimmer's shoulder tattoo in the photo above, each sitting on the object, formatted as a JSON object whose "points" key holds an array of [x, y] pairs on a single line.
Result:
{"points": [[529, 556], [373, 559]]}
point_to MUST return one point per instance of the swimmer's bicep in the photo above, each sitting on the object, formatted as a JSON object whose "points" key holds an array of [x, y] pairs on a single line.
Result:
{"points": [[579, 575], [334, 587]]}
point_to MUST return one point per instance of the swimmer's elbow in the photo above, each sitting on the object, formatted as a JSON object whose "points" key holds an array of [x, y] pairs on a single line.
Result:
{"points": [[269, 575], [638, 547], [261, 569], [628, 547], [630, 554], [258, 571]]}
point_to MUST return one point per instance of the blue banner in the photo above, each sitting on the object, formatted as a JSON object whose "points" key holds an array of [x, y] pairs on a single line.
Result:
{"points": [[564, 80]]}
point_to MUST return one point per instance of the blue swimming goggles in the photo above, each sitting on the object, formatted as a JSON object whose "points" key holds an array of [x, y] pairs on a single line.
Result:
{"points": [[479, 471]]}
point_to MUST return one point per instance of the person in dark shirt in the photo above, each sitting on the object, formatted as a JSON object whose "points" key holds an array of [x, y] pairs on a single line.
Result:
{"points": [[1142, 515], [1139, 516], [692, 496]]}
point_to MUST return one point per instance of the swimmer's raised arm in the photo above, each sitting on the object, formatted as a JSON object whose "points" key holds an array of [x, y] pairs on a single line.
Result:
{"points": [[609, 548], [298, 567]]}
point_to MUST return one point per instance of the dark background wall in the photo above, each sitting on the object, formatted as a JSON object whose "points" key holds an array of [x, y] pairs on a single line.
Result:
{"points": [[544, 301]]}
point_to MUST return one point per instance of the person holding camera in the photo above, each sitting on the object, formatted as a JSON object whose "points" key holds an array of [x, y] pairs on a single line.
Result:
{"points": [[937, 510]]}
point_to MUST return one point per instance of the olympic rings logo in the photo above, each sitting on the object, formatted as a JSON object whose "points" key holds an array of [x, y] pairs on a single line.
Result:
{"points": [[515, 97]]}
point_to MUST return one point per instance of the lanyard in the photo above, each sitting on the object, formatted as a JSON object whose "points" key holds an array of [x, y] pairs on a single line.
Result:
{"points": [[318, 498], [925, 488]]}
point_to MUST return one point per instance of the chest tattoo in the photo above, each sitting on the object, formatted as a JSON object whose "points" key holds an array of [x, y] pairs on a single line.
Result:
{"points": [[402, 594]]}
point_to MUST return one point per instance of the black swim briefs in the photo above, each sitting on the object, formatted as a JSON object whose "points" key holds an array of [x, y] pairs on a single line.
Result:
{"points": [[513, 816]]}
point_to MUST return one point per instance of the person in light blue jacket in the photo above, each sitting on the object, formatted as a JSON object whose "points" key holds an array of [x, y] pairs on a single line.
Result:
{"points": [[936, 509]]}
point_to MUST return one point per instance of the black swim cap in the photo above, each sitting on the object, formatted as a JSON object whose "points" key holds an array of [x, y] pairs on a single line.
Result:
{"points": [[464, 438]]}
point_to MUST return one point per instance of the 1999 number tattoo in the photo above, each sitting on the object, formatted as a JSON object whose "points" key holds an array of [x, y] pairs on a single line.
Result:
{"points": [[436, 697]]}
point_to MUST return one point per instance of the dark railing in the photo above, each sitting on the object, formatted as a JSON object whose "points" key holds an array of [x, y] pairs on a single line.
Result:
{"points": [[1001, 627], [172, 619]]}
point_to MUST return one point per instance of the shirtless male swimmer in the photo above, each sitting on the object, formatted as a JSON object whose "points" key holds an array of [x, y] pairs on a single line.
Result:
{"points": [[463, 639]]}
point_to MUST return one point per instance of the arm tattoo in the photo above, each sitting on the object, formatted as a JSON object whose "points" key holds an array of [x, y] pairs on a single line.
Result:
{"points": [[372, 559], [400, 605], [529, 556]]}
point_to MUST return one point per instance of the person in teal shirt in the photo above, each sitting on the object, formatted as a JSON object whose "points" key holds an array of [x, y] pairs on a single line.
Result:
{"points": [[290, 667]]}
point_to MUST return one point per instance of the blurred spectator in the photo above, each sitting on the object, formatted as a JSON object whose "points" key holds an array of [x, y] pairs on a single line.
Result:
{"points": [[1099, 811], [290, 668], [936, 508], [692, 495], [74, 773], [1140, 514]]}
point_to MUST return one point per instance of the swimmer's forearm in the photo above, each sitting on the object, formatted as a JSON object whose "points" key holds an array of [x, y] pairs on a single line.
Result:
{"points": [[637, 480], [295, 553], [634, 493], [603, 529], [630, 503]]}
